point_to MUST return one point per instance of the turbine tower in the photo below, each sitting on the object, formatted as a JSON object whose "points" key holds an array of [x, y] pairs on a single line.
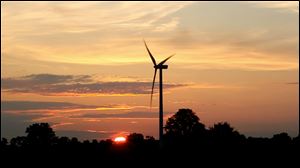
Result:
{"points": [[159, 66]]}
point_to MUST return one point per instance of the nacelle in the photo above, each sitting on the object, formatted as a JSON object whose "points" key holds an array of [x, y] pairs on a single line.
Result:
{"points": [[161, 66]]}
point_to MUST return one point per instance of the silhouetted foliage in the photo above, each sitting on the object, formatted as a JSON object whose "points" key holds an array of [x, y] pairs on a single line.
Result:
{"points": [[150, 138], [4, 142], [40, 134], [19, 141], [282, 138], [296, 140], [135, 138], [224, 133], [185, 123], [74, 140], [63, 141]]}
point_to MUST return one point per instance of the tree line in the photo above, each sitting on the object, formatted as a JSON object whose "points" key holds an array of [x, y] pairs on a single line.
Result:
{"points": [[184, 136]]}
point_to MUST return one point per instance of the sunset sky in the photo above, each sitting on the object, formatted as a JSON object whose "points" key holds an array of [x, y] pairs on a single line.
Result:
{"points": [[83, 67]]}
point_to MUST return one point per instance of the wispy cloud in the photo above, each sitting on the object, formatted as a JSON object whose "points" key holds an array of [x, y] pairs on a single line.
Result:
{"points": [[72, 85], [110, 33], [36, 105], [17, 115], [129, 115], [84, 32], [254, 49], [292, 6], [171, 25], [61, 124], [89, 16], [292, 83], [86, 134], [49, 111], [36, 111]]}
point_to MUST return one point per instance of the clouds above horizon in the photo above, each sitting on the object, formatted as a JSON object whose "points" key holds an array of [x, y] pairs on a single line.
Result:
{"points": [[75, 85], [15, 106], [13, 125], [292, 6], [86, 134], [69, 119], [292, 83], [99, 14], [35, 111], [205, 35], [39, 109], [127, 115]]}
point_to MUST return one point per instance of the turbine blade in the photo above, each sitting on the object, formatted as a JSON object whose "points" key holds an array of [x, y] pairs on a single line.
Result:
{"points": [[162, 62], [151, 56], [152, 88]]}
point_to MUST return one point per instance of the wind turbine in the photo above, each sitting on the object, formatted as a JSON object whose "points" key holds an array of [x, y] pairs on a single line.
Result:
{"points": [[159, 66]]}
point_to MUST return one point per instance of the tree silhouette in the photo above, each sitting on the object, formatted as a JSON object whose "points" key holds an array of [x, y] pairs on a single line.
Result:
{"points": [[150, 138], [184, 123], [135, 138], [40, 134], [222, 132], [4, 142], [282, 138], [296, 140], [63, 140], [74, 140], [19, 141]]}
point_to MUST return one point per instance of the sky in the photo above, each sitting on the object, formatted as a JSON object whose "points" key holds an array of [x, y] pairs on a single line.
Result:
{"points": [[83, 66]]}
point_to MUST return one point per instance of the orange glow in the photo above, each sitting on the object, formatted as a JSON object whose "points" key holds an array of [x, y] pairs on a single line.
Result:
{"points": [[120, 139]]}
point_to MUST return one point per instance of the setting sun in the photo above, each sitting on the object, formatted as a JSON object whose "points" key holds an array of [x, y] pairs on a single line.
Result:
{"points": [[120, 139]]}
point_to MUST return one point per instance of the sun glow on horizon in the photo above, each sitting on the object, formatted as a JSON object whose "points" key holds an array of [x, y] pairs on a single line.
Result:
{"points": [[120, 139]]}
